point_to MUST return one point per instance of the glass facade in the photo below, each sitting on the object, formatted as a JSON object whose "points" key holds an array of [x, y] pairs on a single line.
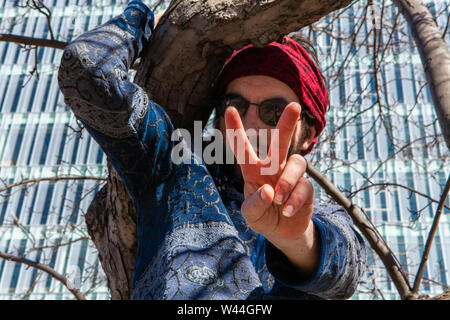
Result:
{"points": [[59, 167]]}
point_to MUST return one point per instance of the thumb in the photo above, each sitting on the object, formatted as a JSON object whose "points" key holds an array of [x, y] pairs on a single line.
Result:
{"points": [[254, 207]]}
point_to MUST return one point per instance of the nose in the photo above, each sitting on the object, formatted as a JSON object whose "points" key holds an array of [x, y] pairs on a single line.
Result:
{"points": [[251, 119]]}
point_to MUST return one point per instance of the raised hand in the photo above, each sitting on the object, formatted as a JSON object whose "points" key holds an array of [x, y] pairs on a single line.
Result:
{"points": [[278, 205]]}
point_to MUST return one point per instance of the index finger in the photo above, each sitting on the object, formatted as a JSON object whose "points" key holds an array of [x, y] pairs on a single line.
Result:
{"points": [[281, 139], [238, 139]]}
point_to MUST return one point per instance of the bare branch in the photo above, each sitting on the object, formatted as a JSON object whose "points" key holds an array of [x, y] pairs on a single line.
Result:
{"points": [[52, 179], [387, 184], [56, 275]]}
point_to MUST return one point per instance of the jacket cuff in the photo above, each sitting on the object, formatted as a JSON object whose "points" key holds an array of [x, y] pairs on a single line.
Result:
{"points": [[287, 274]]}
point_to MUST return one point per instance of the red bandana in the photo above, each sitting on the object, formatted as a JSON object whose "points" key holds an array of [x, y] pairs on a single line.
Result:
{"points": [[287, 61]]}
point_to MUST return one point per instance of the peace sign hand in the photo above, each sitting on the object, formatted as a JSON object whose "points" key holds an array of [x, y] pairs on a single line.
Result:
{"points": [[278, 205]]}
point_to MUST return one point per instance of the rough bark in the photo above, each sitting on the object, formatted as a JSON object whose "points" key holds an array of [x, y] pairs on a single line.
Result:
{"points": [[435, 57], [184, 57], [111, 222]]}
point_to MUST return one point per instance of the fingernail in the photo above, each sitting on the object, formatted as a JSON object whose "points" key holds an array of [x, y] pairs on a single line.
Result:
{"points": [[262, 195], [278, 198], [288, 210]]}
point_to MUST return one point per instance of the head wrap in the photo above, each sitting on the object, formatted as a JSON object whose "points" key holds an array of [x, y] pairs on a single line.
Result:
{"points": [[287, 61]]}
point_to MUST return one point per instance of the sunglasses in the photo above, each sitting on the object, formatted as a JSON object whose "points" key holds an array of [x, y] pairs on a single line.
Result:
{"points": [[269, 111]]}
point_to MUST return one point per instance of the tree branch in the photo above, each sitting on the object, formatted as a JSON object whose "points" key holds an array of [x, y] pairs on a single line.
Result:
{"points": [[39, 42], [387, 184], [53, 179], [56, 275], [430, 238], [192, 42], [33, 41], [435, 57]]}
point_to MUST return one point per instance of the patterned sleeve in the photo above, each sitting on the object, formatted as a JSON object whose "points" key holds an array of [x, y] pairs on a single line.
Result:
{"points": [[93, 77], [342, 262]]}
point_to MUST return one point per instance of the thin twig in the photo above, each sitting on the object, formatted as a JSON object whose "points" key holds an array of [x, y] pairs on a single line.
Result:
{"points": [[430, 238], [389, 184], [53, 179]]}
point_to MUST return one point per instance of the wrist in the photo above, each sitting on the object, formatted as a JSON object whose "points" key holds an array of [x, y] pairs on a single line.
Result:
{"points": [[304, 251]]}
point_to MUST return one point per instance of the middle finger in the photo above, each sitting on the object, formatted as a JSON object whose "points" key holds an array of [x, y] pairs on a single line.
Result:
{"points": [[292, 172], [281, 141]]}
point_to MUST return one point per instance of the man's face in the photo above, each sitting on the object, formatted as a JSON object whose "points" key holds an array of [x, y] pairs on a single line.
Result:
{"points": [[256, 89]]}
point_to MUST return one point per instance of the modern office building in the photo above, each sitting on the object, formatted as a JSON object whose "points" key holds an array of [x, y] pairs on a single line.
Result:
{"points": [[41, 145]]}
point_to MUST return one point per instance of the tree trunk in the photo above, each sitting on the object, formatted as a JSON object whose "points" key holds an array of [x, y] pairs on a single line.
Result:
{"points": [[185, 55], [435, 57], [111, 222]]}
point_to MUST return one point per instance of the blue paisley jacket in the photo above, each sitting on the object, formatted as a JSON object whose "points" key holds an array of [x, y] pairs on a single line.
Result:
{"points": [[193, 242]]}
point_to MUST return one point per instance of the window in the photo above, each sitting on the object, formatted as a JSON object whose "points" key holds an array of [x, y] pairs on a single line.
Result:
{"points": [[47, 91], [46, 145], [18, 144], [17, 266], [61, 145], [18, 93], [48, 200]]}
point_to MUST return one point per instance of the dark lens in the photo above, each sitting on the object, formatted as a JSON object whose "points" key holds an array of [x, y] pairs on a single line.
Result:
{"points": [[270, 111], [238, 102]]}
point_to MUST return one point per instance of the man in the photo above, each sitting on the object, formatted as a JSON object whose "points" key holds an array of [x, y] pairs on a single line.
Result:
{"points": [[201, 237]]}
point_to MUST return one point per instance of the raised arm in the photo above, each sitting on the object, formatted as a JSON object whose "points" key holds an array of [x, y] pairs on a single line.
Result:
{"points": [[312, 247], [342, 258], [93, 77]]}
